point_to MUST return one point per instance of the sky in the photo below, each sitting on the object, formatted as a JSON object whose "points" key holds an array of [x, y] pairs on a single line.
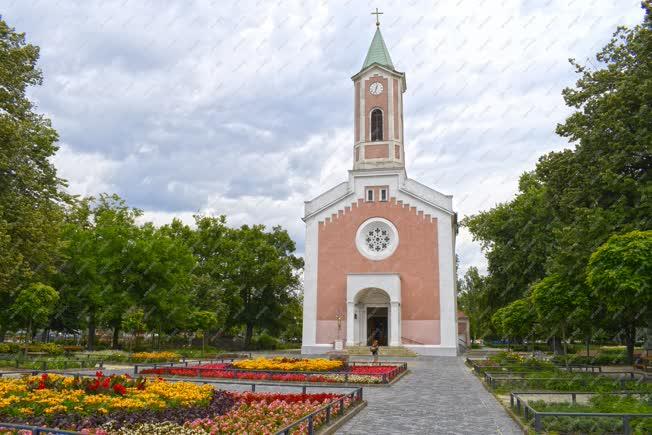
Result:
{"points": [[245, 108]]}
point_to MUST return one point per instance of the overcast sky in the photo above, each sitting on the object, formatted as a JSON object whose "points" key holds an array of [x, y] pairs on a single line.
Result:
{"points": [[246, 108]]}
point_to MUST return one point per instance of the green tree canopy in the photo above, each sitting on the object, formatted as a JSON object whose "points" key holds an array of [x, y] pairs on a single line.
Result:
{"points": [[33, 306], [30, 191], [620, 274]]}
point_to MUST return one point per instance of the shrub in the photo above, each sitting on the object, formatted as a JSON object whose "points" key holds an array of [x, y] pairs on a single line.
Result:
{"points": [[265, 342], [9, 347], [155, 356]]}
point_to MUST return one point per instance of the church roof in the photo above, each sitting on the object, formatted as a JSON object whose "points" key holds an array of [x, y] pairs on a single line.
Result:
{"points": [[378, 52]]}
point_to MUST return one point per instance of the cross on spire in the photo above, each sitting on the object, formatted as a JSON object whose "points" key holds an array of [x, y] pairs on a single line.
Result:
{"points": [[377, 13]]}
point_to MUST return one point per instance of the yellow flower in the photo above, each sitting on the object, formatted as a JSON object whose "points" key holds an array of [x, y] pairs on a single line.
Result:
{"points": [[284, 364]]}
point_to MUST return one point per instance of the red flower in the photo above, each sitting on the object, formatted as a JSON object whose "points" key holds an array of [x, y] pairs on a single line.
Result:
{"points": [[119, 389], [41, 385]]}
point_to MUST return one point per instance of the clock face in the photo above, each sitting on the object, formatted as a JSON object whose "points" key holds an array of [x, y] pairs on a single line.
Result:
{"points": [[375, 88]]}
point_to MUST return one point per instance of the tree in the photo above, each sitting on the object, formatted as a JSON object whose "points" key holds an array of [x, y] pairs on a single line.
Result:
{"points": [[516, 320], [472, 300], [204, 321], [261, 274], [158, 279], [516, 239], [99, 236], [575, 199], [620, 274], [33, 306], [31, 194], [558, 304], [134, 322]]}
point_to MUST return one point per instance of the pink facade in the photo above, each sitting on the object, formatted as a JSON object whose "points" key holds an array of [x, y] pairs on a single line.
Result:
{"points": [[415, 259]]}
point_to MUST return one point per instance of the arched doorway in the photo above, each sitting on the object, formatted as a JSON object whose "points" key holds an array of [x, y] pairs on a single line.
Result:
{"points": [[372, 310]]}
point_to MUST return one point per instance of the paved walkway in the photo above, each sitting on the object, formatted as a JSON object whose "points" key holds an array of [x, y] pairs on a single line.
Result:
{"points": [[439, 396]]}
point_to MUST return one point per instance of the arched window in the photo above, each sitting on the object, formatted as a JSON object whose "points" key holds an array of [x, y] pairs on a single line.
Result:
{"points": [[376, 124]]}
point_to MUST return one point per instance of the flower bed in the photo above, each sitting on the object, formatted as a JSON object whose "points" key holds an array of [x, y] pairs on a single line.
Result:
{"points": [[120, 404], [289, 364], [155, 356], [355, 374]]}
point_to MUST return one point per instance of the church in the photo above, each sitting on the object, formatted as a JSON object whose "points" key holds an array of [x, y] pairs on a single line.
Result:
{"points": [[380, 247]]}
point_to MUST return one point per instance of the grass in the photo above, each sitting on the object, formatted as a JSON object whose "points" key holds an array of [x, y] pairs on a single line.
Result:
{"points": [[602, 403]]}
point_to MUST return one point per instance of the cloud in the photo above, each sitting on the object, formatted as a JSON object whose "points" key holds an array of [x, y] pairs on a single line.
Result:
{"points": [[245, 108]]}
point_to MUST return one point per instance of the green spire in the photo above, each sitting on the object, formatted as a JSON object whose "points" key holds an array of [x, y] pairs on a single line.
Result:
{"points": [[378, 52]]}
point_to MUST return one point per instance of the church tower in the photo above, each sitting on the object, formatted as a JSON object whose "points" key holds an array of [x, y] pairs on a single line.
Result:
{"points": [[380, 247], [378, 103]]}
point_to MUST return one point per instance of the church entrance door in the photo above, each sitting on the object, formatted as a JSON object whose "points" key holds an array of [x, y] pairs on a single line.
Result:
{"points": [[377, 325]]}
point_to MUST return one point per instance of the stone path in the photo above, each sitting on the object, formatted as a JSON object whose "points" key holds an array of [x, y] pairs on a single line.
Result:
{"points": [[439, 396]]}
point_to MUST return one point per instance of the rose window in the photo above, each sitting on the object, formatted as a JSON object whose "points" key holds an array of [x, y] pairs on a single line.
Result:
{"points": [[377, 239]]}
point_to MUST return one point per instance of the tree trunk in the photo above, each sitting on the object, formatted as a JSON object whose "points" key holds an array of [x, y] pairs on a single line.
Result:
{"points": [[44, 335], [248, 335], [555, 345], [3, 333], [588, 347], [115, 341], [630, 338], [91, 331]]}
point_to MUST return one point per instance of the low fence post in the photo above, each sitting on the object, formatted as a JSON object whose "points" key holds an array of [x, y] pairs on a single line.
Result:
{"points": [[253, 388], [537, 422], [627, 430], [341, 407], [303, 389], [573, 398], [311, 429], [328, 414]]}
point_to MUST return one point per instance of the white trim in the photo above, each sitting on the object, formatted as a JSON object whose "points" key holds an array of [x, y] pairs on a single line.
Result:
{"points": [[390, 109], [309, 335], [362, 247], [389, 283]]}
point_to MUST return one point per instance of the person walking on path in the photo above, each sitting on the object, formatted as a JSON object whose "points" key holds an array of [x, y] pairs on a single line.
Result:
{"points": [[374, 350]]}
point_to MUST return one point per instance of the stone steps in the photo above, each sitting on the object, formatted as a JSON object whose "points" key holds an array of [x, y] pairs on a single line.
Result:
{"points": [[383, 351]]}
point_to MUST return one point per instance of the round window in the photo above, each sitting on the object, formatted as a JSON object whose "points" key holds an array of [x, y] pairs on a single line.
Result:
{"points": [[376, 238]]}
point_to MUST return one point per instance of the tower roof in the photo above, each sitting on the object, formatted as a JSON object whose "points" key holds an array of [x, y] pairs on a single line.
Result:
{"points": [[378, 52]]}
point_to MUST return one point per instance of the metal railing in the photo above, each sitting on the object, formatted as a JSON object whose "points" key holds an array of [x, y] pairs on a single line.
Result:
{"points": [[529, 413], [355, 396], [621, 377], [198, 370]]}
